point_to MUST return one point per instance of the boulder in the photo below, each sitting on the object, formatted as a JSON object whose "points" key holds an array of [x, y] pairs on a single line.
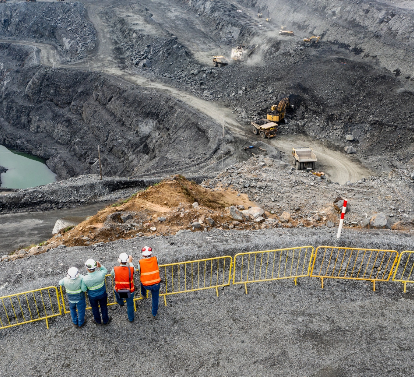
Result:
{"points": [[162, 219], [339, 203], [284, 217], [210, 221], [235, 214], [61, 224], [195, 205], [350, 150], [115, 217], [349, 137], [379, 221], [127, 216], [259, 219], [255, 212], [196, 225]]}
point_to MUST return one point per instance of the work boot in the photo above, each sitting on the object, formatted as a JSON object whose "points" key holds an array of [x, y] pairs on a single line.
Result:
{"points": [[109, 321], [83, 324], [75, 325]]}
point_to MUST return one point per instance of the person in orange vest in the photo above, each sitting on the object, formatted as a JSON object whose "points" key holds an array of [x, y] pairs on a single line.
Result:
{"points": [[150, 277], [124, 284]]}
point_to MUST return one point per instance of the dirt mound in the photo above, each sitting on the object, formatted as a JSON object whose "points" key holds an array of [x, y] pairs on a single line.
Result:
{"points": [[165, 208]]}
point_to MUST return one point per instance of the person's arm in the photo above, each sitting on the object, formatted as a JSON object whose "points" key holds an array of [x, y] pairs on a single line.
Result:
{"points": [[113, 273], [102, 268]]}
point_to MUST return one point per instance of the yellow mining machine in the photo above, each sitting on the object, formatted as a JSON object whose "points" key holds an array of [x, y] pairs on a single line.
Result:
{"points": [[220, 61], [277, 112], [311, 40]]}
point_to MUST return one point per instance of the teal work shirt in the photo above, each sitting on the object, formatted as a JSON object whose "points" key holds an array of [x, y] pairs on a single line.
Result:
{"points": [[73, 288], [94, 282]]}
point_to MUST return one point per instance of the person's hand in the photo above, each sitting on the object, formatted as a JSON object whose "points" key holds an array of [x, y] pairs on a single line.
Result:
{"points": [[98, 264], [130, 259]]}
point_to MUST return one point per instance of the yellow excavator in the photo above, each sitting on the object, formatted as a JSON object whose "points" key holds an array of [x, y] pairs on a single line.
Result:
{"points": [[277, 112], [312, 39]]}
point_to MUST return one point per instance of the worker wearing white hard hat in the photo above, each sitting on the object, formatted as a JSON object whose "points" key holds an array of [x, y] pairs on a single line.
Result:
{"points": [[76, 296], [124, 283], [94, 282], [150, 277]]}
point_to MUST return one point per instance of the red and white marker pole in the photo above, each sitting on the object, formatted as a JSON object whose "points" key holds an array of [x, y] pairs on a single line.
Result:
{"points": [[341, 222]]}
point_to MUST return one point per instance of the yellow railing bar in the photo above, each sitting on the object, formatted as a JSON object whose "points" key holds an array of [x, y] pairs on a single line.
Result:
{"points": [[409, 278], [365, 273], [208, 282], [41, 317], [287, 270]]}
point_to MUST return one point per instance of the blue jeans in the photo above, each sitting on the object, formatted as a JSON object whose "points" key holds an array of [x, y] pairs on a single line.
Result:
{"points": [[102, 302], [130, 304], [155, 293], [78, 316]]}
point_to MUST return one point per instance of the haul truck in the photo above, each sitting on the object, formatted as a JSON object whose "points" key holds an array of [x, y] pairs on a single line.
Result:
{"points": [[304, 158]]}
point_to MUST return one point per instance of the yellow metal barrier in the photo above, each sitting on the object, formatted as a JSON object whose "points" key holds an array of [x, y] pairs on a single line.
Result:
{"points": [[190, 276], [109, 282], [268, 265], [353, 264], [31, 306], [405, 268]]}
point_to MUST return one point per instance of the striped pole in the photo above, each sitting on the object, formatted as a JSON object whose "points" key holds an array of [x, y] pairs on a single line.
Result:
{"points": [[341, 222]]}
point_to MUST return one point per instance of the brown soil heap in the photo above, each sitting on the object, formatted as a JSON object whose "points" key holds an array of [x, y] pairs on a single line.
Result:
{"points": [[162, 209]]}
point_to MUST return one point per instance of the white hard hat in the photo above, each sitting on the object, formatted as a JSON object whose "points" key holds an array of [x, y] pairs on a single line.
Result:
{"points": [[146, 251], [123, 258], [73, 273], [90, 264]]}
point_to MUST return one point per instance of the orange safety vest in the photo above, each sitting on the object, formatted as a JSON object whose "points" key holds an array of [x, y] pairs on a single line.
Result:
{"points": [[150, 273], [122, 278]]}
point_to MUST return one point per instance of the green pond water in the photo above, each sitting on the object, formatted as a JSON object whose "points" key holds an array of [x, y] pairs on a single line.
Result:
{"points": [[24, 171]]}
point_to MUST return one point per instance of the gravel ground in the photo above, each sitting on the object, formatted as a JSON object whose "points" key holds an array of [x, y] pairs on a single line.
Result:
{"points": [[345, 329]]}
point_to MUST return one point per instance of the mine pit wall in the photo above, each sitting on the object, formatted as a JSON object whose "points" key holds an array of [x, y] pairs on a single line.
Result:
{"points": [[370, 28], [63, 115], [61, 24]]}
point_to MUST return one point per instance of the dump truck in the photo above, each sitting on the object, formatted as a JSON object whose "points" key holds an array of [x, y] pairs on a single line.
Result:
{"points": [[286, 32], [220, 61], [265, 128], [304, 158]]}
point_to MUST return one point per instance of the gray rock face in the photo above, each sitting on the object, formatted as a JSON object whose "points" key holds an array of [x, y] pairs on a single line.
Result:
{"points": [[63, 24], [236, 214], [379, 221], [62, 224], [350, 150]]}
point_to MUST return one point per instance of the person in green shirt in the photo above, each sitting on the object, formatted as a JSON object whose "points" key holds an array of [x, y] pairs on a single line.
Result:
{"points": [[76, 296], [94, 283]]}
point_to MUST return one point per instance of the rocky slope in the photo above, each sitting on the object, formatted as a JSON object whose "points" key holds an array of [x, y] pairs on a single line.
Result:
{"points": [[64, 25]]}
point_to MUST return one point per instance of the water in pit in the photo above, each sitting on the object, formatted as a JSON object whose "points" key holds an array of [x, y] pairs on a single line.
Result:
{"points": [[24, 171]]}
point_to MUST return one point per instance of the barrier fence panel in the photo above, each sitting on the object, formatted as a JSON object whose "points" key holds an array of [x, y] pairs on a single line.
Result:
{"points": [[190, 276], [268, 265], [353, 264], [109, 282], [405, 269], [20, 308]]}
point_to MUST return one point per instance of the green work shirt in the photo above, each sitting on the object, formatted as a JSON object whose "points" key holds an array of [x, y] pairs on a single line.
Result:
{"points": [[73, 288], [94, 282]]}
